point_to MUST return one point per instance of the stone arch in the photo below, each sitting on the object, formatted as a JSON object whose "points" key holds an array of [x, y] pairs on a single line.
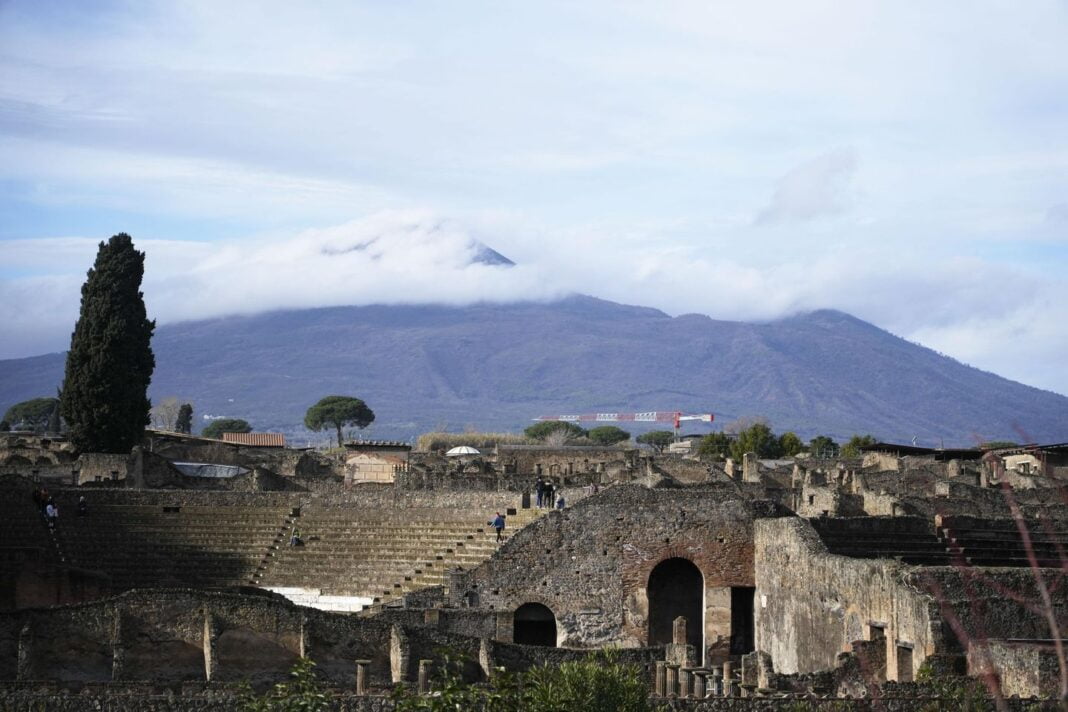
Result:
{"points": [[676, 587], [534, 624]]}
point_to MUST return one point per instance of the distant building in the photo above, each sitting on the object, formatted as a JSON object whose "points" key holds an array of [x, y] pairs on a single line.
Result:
{"points": [[375, 460], [256, 439]]}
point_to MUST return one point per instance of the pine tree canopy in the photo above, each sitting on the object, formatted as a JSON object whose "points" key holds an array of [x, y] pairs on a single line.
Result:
{"points": [[109, 366]]}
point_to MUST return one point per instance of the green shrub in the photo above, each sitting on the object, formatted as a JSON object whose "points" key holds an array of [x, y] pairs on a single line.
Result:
{"points": [[303, 693], [599, 683]]}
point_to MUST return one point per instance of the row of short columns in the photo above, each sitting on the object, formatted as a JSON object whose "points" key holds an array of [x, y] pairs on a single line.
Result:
{"points": [[363, 665], [675, 681]]}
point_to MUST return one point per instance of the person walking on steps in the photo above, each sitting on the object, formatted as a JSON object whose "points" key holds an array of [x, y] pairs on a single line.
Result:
{"points": [[498, 524]]}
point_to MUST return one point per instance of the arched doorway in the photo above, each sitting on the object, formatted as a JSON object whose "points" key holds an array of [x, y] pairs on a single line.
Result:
{"points": [[676, 588], [534, 624]]}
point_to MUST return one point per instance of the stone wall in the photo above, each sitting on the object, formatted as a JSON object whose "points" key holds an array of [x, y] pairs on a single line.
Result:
{"points": [[613, 463], [590, 564], [684, 469], [1024, 668], [281, 461], [41, 456], [811, 605]]}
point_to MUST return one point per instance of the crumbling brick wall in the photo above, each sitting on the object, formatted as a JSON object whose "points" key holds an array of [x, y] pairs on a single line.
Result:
{"points": [[590, 564]]}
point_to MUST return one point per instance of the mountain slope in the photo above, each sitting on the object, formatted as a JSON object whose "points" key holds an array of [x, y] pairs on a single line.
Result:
{"points": [[498, 366]]}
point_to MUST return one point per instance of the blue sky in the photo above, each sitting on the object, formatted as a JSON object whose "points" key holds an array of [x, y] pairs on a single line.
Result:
{"points": [[903, 161]]}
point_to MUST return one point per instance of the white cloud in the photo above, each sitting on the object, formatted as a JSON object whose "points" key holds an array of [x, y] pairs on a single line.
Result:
{"points": [[816, 188]]}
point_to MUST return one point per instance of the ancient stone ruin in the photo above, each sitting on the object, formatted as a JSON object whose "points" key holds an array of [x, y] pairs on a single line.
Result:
{"points": [[727, 584]]}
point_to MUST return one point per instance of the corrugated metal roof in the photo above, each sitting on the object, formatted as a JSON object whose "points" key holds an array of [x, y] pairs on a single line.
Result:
{"points": [[256, 439]]}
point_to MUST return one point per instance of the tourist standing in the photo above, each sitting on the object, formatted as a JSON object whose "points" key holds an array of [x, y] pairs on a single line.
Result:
{"points": [[539, 489], [51, 513]]}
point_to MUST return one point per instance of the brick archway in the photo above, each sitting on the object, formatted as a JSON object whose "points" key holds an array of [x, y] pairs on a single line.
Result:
{"points": [[676, 587]]}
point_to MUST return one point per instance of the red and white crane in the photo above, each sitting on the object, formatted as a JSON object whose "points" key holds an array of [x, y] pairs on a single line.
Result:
{"points": [[652, 416]]}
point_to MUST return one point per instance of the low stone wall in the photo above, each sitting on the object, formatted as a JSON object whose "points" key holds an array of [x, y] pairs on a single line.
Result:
{"points": [[29, 701]]}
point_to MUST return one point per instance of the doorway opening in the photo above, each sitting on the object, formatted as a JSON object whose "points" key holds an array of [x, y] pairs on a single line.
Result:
{"points": [[534, 624], [676, 588]]}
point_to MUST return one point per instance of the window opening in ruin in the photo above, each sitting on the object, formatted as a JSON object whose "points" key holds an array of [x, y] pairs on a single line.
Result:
{"points": [[876, 632], [676, 588], [534, 624], [904, 663], [471, 599], [742, 619]]}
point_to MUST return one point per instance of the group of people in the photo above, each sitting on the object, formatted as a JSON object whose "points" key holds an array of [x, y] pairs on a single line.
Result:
{"points": [[548, 494], [47, 504]]}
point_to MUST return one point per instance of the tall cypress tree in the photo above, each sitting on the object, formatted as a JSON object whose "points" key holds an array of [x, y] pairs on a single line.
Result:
{"points": [[109, 366]]}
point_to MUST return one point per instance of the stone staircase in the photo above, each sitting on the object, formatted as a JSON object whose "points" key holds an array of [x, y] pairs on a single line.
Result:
{"points": [[952, 541], [911, 540], [379, 555], [997, 542], [154, 545]]}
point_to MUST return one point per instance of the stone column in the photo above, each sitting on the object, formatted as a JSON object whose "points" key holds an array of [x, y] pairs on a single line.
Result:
{"points": [[118, 651], [678, 631], [24, 667], [485, 657], [303, 636], [727, 672], [505, 626], [209, 641], [700, 690], [672, 680], [684, 682], [424, 676], [398, 654], [677, 651], [659, 679], [715, 682], [361, 676]]}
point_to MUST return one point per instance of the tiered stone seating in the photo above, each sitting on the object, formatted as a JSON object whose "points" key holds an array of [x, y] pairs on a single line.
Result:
{"points": [[911, 540], [997, 542], [146, 545], [383, 554]]}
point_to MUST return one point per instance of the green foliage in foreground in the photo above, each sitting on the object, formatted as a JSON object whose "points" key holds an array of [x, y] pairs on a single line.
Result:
{"points": [[964, 694], [598, 684], [304, 692]]}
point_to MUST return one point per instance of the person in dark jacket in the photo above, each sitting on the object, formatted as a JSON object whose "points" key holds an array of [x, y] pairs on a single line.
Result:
{"points": [[498, 524]]}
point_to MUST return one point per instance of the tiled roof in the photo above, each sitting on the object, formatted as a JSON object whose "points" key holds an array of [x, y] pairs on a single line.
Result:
{"points": [[256, 439]]}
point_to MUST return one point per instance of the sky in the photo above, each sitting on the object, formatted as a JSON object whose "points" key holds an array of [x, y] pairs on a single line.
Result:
{"points": [[904, 161]]}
